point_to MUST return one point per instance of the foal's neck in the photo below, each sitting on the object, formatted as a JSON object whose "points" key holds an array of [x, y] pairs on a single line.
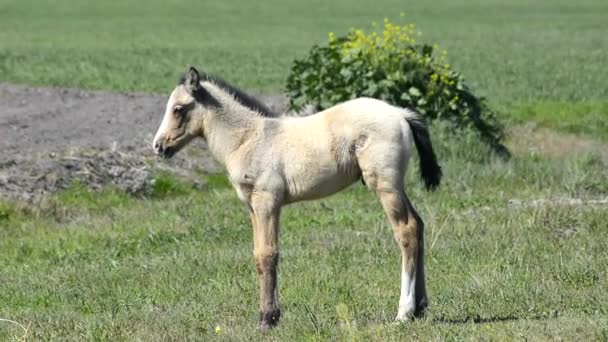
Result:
{"points": [[228, 126]]}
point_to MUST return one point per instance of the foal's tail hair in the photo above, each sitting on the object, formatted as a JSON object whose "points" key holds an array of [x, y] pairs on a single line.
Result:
{"points": [[430, 171]]}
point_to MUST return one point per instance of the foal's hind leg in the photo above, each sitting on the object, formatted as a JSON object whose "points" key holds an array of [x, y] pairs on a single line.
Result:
{"points": [[408, 230]]}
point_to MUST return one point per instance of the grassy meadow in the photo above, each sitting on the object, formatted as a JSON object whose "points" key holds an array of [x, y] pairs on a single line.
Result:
{"points": [[510, 50], [178, 265]]}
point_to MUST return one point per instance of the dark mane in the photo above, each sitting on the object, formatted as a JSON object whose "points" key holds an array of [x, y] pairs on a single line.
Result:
{"points": [[241, 96]]}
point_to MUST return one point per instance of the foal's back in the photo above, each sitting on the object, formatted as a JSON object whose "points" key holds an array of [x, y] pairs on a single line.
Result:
{"points": [[320, 152]]}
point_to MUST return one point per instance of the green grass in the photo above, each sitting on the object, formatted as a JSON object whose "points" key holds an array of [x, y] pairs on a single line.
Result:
{"points": [[510, 51], [577, 118], [112, 267]]}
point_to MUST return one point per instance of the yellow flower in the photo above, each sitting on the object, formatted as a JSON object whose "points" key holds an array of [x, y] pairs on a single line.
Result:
{"points": [[218, 330], [332, 37]]}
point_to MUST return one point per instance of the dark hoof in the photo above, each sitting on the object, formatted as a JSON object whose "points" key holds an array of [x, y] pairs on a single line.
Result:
{"points": [[269, 319], [421, 308]]}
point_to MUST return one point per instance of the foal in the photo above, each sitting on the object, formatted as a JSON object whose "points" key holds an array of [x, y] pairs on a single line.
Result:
{"points": [[275, 161]]}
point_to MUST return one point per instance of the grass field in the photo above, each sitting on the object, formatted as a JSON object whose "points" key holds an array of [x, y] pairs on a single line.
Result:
{"points": [[515, 51], [179, 264], [88, 266]]}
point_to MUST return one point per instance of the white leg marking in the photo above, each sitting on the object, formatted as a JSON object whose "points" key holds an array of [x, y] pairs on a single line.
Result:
{"points": [[407, 299]]}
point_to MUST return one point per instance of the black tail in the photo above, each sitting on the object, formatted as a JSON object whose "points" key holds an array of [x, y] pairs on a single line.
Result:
{"points": [[430, 171]]}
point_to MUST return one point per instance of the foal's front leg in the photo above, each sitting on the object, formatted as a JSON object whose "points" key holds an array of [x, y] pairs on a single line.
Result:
{"points": [[265, 220]]}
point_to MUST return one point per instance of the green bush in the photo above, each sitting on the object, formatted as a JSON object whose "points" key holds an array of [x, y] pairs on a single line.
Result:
{"points": [[394, 67]]}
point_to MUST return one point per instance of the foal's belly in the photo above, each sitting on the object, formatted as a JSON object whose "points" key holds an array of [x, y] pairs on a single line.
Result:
{"points": [[317, 161], [314, 183]]}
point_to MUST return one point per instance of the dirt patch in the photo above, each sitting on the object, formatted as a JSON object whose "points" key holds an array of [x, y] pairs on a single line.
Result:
{"points": [[531, 138], [96, 169], [50, 137]]}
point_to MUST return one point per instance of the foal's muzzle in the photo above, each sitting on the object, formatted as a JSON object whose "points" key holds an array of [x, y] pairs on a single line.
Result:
{"points": [[162, 151]]}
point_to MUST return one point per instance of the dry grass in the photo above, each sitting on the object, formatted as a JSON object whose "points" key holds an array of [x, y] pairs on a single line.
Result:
{"points": [[25, 329], [532, 139]]}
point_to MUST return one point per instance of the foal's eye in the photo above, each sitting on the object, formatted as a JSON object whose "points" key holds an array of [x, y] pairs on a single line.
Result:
{"points": [[178, 110]]}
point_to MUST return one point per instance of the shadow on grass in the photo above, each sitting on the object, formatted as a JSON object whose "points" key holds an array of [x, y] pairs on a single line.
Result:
{"points": [[485, 320]]}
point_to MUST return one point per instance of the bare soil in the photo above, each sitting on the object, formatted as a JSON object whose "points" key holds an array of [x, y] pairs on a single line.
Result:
{"points": [[51, 137], [530, 138]]}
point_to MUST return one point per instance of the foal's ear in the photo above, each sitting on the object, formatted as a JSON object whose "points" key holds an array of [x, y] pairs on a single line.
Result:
{"points": [[192, 78]]}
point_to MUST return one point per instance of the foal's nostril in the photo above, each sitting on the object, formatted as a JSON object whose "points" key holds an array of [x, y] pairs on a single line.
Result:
{"points": [[157, 147]]}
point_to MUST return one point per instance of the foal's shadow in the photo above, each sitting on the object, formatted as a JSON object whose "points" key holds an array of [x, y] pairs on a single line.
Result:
{"points": [[483, 320], [476, 319]]}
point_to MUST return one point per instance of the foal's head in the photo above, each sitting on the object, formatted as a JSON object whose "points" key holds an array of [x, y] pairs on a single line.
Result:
{"points": [[183, 120]]}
